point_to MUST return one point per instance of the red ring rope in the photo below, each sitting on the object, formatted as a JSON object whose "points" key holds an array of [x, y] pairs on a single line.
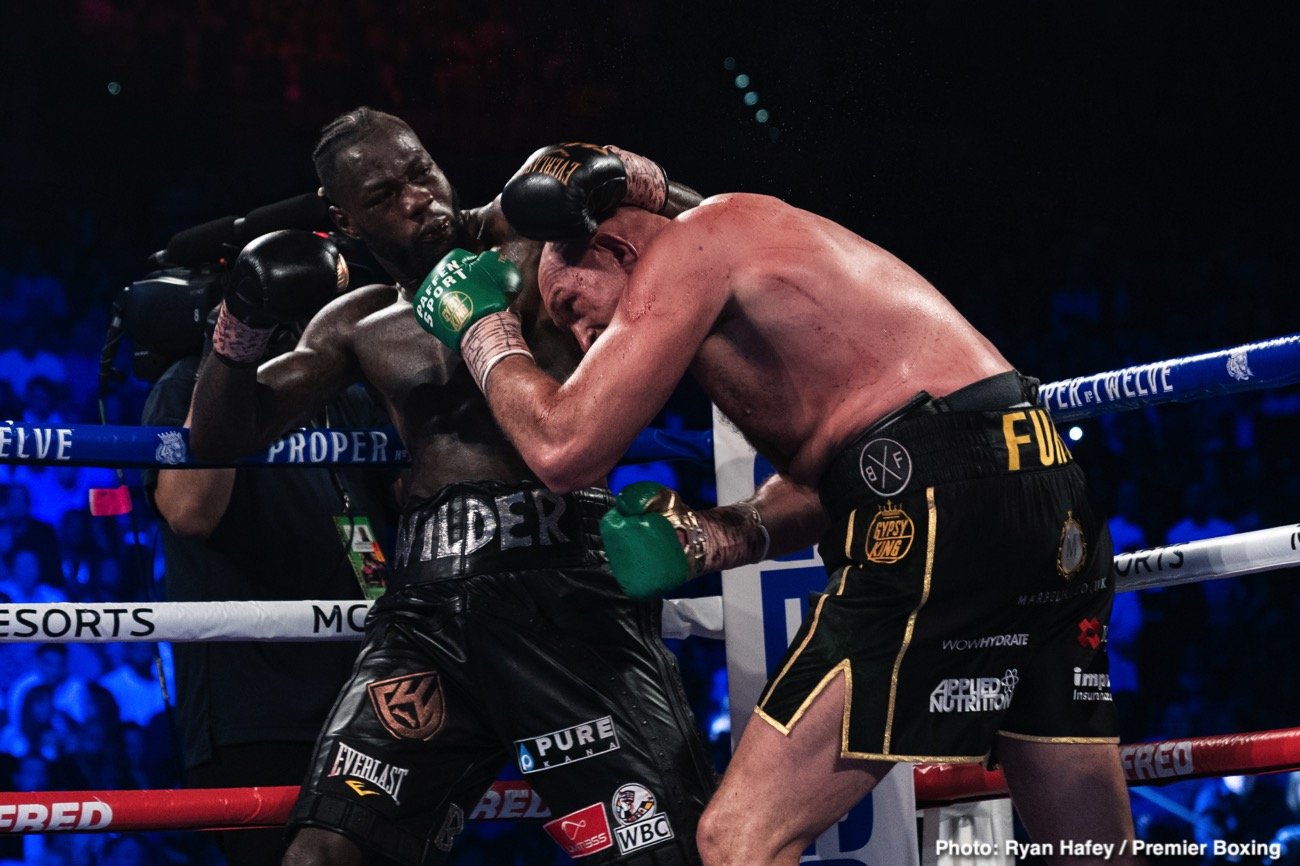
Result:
{"points": [[1143, 763], [217, 808]]}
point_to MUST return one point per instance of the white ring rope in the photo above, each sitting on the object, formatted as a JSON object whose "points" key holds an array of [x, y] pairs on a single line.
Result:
{"points": [[70, 622], [191, 621], [1209, 559]]}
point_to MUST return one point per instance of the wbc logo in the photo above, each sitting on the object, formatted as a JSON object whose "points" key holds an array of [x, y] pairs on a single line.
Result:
{"points": [[636, 809]]}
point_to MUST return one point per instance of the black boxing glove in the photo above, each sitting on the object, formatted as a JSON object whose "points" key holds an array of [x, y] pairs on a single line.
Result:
{"points": [[563, 191], [280, 277]]}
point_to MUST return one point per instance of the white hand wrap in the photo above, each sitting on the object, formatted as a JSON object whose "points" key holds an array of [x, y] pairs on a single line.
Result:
{"points": [[647, 183], [239, 342], [489, 341]]}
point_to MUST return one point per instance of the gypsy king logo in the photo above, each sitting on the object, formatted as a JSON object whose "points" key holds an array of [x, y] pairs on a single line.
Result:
{"points": [[886, 467], [1073, 549], [410, 707], [890, 534], [171, 448], [635, 808], [455, 309]]}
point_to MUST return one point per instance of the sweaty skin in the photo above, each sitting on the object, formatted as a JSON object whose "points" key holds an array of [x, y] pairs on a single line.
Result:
{"points": [[800, 331], [394, 198], [803, 334], [390, 195]]}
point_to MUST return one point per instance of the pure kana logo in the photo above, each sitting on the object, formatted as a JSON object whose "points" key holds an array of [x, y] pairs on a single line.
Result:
{"points": [[574, 743]]}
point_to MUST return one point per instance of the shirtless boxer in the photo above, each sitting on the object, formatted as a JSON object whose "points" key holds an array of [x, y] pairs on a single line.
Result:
{"points": [[502, 636], [957, 515]]}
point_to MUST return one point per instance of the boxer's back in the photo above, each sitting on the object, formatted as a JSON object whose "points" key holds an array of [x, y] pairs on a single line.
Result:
{"points": [[823, 332]]}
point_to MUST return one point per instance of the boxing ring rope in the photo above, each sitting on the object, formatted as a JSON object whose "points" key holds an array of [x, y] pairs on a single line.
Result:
{"points": [[1253, 366], [1248, 367], [205, 808], [168, 447], [297, 620], [936, 784], [73, 622], [1156, 762]]}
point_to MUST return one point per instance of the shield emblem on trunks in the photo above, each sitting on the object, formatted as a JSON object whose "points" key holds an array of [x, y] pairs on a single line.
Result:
{"points": [[410, 707]]}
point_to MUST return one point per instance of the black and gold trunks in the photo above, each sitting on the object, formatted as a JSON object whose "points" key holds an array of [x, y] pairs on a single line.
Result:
{"points": [[970, 586]]}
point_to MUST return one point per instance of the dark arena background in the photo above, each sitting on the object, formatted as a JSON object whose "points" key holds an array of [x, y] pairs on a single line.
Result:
{"points": [[1094, 184]]}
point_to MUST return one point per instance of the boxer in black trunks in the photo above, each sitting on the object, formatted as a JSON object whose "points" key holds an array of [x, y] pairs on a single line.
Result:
{"points": [[970, 580], [502, 636]]}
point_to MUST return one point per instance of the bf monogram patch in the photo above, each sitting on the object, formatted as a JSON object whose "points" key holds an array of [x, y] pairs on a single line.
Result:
{"points": [[886, 467], [410, 707]]}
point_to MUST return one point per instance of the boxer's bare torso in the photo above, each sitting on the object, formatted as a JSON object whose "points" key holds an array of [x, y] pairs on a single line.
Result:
{"points": [[800, 331]]}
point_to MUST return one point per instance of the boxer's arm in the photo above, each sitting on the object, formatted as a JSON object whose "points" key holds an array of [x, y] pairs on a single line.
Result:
{"points": [[681, 198], [791, 513], [572, 434], [656, 542], [193, 501], [238, 409]]}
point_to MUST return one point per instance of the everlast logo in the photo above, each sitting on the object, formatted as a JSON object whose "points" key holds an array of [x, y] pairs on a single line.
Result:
{"points": [[557, 164], [410, 707], [363, 768], [889, 537], [1032, 440], [567, 745], [467, 524]]}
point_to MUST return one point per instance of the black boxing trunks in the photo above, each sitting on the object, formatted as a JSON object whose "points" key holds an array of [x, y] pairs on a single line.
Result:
{"points": [[970, 586], [504, 639]]}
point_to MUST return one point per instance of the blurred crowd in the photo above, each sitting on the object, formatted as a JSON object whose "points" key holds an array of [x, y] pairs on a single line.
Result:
{"points": [[1193, 660]]}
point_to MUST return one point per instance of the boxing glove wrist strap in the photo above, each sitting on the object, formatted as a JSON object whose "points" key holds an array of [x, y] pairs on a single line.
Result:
{"points": [[733, 535], [489, 341], [647, 183], [239, 342]]}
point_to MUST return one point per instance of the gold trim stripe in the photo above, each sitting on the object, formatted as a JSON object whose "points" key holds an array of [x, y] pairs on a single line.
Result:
{"points": [[932, 521], [919, 759], [821, 686], [816, 617], [848, 536], [1030, 738]]}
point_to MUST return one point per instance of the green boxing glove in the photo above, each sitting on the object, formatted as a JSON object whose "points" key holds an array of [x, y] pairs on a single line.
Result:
{"points": [[462, 289], [645, 552]]}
